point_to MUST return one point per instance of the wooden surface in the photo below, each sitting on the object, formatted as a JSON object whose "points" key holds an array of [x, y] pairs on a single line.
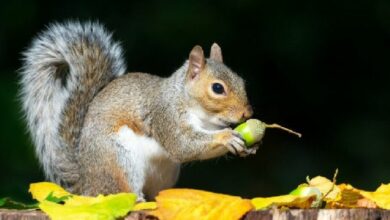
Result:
{"points": [[7, 214], [275, 214], [322, 214]]}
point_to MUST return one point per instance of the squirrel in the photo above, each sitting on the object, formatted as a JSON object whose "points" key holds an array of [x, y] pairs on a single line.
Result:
{"points": [[97, 130]]}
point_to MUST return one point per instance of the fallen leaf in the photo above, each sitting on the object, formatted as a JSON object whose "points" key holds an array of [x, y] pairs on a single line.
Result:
{"points": [[8, 203], [348, 197], [52, 198], [40, 191], [197, 204], [327, 188], [381, 196], [101, 207], [366, 203], [291, 201], [145, 206]]}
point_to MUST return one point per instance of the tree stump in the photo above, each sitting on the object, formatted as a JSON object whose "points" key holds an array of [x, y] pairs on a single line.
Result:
{"points": [[321, 214], [273, 214], [10, 214]]}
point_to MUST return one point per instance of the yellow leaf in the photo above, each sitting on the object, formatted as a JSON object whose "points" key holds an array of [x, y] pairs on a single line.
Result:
{"points": [[327, 188], [381, 196], [197, 204], [349, 197], [356, 198], [101, 207], [41, 190], [84, 200], [61, 212], [81, 207], [291, 201], [145, 206]]}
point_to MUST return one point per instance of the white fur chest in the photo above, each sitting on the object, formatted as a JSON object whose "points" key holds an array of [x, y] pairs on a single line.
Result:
{"points": [[203, 122], [148, 167]]}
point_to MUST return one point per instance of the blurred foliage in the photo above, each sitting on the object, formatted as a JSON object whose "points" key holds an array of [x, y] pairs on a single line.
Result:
{"points": [[319, 67]]}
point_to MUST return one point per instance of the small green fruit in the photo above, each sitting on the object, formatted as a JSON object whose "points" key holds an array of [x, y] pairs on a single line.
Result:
{"points": [[304, 191], [252, 131]]}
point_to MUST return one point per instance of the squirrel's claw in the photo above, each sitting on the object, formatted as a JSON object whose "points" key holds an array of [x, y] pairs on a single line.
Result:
{"points": [[253, 149], [236, 145]]}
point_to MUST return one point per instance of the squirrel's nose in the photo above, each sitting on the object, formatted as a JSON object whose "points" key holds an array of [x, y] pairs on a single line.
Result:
{"points": [[248, 112]]}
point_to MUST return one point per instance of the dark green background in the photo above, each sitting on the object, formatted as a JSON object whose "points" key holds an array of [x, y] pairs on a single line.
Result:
{"points": [[320, 67]]}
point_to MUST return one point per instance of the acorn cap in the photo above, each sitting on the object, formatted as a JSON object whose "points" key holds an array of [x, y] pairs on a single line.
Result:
{"points": [[252, 131], [257, 127]]}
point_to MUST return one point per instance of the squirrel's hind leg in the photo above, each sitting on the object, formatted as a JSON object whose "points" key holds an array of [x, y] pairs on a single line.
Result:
{"points": [[104, 178]]}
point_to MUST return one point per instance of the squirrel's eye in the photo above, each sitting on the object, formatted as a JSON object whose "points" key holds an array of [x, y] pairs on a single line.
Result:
{"points": [[218, 88]]}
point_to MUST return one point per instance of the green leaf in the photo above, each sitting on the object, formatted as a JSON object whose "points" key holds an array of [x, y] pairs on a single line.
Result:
{"points": [[52, 198], [7, 203], [60, 204], [40, 191], [101, 207]]}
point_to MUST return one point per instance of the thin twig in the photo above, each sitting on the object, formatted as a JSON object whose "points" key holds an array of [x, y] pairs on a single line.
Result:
{"points": [[283, 128]]}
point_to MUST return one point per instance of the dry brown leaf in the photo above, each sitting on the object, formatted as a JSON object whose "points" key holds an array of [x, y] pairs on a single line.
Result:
{"points": [[348, 197], [380, 197]]}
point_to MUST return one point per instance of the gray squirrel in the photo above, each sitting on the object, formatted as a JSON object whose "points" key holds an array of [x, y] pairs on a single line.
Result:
{"points": [[98, 130]]}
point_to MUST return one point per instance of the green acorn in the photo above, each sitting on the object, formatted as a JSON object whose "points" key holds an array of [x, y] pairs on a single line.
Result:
{"points": [[307, 191], [253, 131], [304, 190]]}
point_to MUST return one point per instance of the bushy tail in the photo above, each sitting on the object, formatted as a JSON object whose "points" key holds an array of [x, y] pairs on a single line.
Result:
{"points": [[65, 67]]}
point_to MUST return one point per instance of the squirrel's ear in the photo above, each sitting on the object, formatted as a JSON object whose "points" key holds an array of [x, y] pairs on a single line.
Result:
{"points": [[216, 53], [196, 62]]}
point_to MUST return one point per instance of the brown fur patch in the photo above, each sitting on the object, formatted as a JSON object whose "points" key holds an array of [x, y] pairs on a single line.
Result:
{"points": [[220, 138], [230, 106], [120, 178], [132, 122], [103, 177]]}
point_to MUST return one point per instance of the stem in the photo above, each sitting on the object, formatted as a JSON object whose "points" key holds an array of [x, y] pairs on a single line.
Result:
{"points": [[334, 183], [283, 128]]}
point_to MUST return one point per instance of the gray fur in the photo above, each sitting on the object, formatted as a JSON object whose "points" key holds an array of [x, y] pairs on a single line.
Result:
{"points": [[97, 131], [64, 68]]}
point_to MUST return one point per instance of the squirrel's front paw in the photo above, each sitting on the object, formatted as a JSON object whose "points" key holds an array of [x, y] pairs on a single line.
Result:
{"points": [[233, 141]]}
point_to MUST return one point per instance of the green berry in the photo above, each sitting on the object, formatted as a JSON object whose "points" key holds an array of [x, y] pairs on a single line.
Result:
{"points": [[305, 191], [252, 131]]}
